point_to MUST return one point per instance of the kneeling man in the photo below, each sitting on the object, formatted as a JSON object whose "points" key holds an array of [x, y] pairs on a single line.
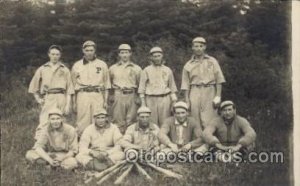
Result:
{"points": [[181, 133], [229, 131], [143, 134], [60, 141], [99, 144]]}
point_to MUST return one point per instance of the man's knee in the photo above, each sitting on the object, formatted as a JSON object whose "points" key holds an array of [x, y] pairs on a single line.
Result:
{"points": [[83, 159], [69, 163], [32, 156], [117, 156], [202, 149]]}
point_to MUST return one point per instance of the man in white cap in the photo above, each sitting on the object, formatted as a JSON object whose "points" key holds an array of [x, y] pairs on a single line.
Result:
{"points": [[60, 140], [229, 131], [99, 144], [52, 87], [91, 79], [181, 133], [202, 80], [157, 87], [125, 77], [142, 135]]}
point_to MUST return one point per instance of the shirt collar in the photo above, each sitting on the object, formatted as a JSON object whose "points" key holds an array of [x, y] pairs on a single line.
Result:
{"points": [[130, 63], [229, 122], [206, 56], [106, 126], [183, 124], [151, 126], [85, 61], [50, 65]]}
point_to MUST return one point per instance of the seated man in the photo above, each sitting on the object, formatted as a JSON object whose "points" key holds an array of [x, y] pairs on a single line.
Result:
{"points": [[181, 133], [229, 131], [143, 134], [59, 139], [99, 144]]}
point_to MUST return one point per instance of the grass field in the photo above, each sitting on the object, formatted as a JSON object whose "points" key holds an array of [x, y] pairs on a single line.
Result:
{"points": [[20, 116]]}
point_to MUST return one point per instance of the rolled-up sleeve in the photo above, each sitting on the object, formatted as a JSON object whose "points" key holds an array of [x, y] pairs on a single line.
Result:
{"points": [[117, 136], [163, 133], [185, 80], [73, 141], [172, 84], [127, 139], [197, 135], [34, 85], [208, 134], [84, 143], [143, 81], [107, 83], [249, 134], [42, 140], [218, 73], [70, 86]]}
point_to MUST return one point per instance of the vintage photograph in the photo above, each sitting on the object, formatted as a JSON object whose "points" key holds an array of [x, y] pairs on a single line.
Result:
{"points": [[140, 92]]}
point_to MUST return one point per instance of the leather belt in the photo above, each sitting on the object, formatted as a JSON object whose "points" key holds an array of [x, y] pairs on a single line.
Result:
{"points": [[126, 91], [91, 89], [160, 95], [203, 85], [56, 91]]}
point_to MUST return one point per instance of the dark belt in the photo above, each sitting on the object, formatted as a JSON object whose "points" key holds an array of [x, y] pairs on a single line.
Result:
{"points": [[160, 95], [91, 89], [55, 91], [126, 91], [203, 85]]}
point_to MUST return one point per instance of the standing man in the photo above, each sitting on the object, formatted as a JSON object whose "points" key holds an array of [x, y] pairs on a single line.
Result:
{"points": [[91, 79], [99, 144], [229, 131], [56, 145], [181, 132], [157, 87], [52, 87], [202, 80], [125, 76]]}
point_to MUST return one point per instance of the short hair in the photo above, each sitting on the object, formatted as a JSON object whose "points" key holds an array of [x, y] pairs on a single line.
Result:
{"points": [[57, 47]]}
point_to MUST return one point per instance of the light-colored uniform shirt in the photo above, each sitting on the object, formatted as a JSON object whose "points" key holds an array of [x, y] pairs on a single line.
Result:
{"points": [[63, 139], [94, 138], [94, 73], [157, 80], [145, 138], [206, 71], [237, 132], [125, 76], [181, 134], [49, 77]]}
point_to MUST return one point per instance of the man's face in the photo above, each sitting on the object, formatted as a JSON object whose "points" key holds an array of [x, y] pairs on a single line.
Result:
{"points": [[144, 119], [54, 55], [89, 52], [55, 121], [124, 55], [157, 58], [228, 112], [198, 48], [181, 115], [101, 120]]}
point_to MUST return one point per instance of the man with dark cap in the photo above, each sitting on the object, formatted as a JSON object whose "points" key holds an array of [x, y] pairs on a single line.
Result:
{"points": [[91, 80], [229, 131]]}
